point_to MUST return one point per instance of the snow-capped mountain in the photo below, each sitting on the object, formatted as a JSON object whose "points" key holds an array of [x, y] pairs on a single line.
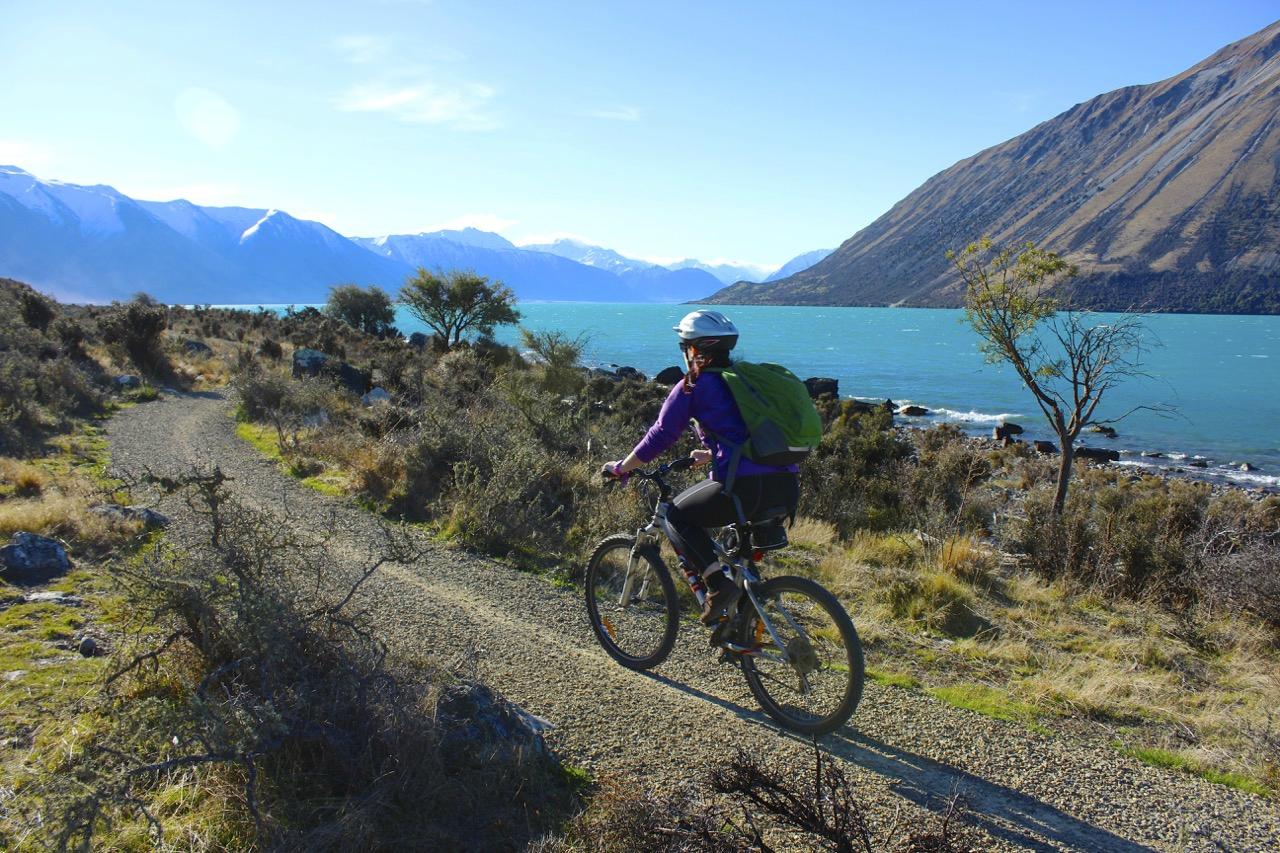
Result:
{"points": [[798, 263], [94, 243], [726, 273], [592, 256]]}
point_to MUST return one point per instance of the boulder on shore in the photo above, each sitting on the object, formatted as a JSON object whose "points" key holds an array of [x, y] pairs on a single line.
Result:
{"points": [[913, 411], [31, 559], [1103, 430], [1198, 463], [1097, 454], [631, 373], [1045, 447], [1010, 428], [819, 385], [669, 376]]}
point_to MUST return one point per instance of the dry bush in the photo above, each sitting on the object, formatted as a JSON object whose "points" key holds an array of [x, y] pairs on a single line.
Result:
{"points": [[1168, 540], [852, 479], [943, 491], [46, 384], [265, 668], [813, 807]]}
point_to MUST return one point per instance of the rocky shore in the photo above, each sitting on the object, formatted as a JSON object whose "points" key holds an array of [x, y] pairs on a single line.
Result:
{"points": [[1242, 475]]}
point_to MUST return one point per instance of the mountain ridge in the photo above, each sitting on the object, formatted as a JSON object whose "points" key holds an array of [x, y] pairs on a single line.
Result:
{"points": [[96, 243], [1165, 194]]}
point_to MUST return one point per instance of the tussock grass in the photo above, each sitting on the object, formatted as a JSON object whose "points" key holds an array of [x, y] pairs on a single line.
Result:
{"points": [[21, 479], [965, 558], [934, 600], [811, 534]]}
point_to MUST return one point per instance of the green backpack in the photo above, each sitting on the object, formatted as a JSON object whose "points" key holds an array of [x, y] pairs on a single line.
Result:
{"points": [[782, 424]]}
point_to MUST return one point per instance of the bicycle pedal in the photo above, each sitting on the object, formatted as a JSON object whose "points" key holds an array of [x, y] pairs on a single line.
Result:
{"points": [[717, 637]]}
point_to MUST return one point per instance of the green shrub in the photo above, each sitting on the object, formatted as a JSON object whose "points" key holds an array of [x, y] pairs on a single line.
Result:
{"points": [[368, 309], [134, 331], [853, 478]]}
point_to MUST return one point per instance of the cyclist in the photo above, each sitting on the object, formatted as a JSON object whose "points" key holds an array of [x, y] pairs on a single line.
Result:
{"points": [[703, 397]]}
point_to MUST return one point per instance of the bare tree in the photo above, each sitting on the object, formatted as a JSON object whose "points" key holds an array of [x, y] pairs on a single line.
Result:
{"points": [[1068, 359]]}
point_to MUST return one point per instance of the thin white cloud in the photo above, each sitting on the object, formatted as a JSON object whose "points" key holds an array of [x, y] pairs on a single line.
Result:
{"points": [[617, 114], [26, 154], [207, 116], [362, 49], [482, 221], [461, 107]]}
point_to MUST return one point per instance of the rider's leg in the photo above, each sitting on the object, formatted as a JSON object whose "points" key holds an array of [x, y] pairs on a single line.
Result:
{"points": [[697, 508]]}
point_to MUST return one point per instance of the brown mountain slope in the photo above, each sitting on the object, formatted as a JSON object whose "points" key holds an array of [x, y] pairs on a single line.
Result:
{"points": [[1166, 195]]}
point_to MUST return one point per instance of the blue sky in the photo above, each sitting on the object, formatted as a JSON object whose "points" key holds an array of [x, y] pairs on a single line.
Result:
{"points": [[744, 131]]}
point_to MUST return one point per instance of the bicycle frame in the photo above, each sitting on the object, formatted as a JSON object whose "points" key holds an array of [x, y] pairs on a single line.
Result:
{"points": [[648, 537]]}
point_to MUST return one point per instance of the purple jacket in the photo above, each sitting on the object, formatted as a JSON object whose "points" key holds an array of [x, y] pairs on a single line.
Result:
{"points": [[711, 403]]}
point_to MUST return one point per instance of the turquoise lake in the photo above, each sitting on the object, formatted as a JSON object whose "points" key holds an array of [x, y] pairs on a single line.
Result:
{"points": [[1221, 374]]}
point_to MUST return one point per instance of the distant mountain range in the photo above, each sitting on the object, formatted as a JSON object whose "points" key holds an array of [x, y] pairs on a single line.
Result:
{"points": [[1166, 195], [93, 243]]}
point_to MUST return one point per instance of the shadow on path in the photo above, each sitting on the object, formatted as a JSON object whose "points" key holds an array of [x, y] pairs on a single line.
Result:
{"points": [[1003, 812]]}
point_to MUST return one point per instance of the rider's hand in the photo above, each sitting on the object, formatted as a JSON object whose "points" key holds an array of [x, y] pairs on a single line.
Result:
{"points": [[700, 457], [610, 470]]}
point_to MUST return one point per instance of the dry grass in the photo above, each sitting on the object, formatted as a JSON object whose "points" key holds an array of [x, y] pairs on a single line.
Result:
{"points": [[811, 534], [965, 558], [21, 479], [56, 503], [1200, 683]]}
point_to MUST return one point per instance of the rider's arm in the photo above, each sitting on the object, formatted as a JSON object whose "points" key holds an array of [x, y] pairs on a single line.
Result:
{"points": [[672, 421]]}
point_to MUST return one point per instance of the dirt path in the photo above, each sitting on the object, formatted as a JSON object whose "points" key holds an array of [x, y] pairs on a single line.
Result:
{"points": [[1026, 791]]}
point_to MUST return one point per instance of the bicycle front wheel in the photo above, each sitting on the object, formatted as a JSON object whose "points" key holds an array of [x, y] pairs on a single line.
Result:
{"points": [[631, 603], [809, 670]]}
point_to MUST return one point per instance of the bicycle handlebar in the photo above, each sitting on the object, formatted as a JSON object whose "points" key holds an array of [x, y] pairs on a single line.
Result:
{"points": [[682, 464], [656, 475]]}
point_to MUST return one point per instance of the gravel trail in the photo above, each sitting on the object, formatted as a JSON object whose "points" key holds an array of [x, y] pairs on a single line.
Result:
{"points": [[908, 750]]}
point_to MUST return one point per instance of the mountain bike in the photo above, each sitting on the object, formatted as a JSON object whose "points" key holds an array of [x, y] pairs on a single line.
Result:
{"points": [[796, 646]]}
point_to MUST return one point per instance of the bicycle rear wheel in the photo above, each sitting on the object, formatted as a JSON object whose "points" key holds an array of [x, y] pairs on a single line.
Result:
{"points": [[631, 603], [818, 687]]}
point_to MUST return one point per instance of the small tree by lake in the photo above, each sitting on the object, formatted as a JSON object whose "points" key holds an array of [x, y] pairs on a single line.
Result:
{"points": [[458, 301], [1067, 359], [368, 309]]}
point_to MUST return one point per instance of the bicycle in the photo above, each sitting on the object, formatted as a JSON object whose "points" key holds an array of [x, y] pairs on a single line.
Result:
{"points": [[796, 646]]}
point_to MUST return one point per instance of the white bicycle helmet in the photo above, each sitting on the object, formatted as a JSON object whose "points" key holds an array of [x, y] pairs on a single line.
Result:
{"points": [[709, 331]]}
